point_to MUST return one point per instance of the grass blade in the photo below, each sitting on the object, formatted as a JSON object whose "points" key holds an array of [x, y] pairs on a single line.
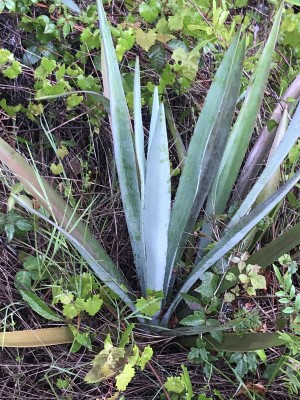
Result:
{"points": [[204, 153], [123, 147], [231, 238], [242, 130], [157, 204], [37, 337]]}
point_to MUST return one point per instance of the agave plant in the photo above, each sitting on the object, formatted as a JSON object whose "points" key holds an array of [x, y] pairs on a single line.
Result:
{"points": [[158, 227]]}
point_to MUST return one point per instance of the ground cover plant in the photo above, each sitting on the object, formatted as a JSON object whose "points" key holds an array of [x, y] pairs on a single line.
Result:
{"points": [[175, 240]]}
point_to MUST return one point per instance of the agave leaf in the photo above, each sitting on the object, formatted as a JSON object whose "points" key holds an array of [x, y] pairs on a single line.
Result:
{"points": [[154, 114], [287, 142], [109, 278], [138, 125], [232, 237], [250, 341], [157, 204], [274, 181], [181, 150], [123, 148], [204, 153], [71, 5], [66, 219], [37, 337], [195, 330], [263, 144], [242, 130]]}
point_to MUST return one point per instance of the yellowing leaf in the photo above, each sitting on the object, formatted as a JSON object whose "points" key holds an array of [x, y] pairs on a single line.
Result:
{"points": [[62, 152], [123, 379], [164, 37], [56, 169], [145, 39], [258, 282]]}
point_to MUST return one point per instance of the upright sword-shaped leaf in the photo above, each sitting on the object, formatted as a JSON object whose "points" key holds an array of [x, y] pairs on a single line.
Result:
{"points": [[157, 204], [204, 153], [123, 148]]}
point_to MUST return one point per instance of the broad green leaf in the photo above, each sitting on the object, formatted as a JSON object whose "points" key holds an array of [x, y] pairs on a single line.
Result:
{"points": [[204, 153], [231, 238], [157, 205], [287, 142], [36, 337], [22, 280], [123, 147], [38, 305], [240, 135]]}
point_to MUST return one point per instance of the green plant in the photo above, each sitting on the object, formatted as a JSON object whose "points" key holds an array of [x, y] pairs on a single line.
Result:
{"points": [[287, 294], [119, 361], [159, 232]]}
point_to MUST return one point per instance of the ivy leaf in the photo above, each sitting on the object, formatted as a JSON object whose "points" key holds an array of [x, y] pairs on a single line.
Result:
{"points": [[123, 379], [70, 310], [149, 11], [13, 70], [61, 152], [46, 68], [174, 384], [145, 357], [56, 169], [145, 39], [73, 101], [175, 22], [93, 305], [151, 305]]}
